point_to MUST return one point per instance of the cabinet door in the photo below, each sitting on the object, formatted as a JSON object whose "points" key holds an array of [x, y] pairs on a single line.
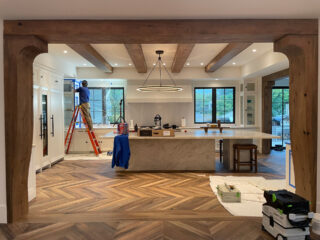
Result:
{"points": [[56, 125], [250, 102], [250, 110]]}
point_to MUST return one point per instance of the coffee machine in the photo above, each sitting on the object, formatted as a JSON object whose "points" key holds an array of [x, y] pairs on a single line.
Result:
{"points": [[157, 121]]}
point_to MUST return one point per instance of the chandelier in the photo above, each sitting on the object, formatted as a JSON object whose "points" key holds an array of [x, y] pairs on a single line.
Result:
{"points": [[160, 87]]}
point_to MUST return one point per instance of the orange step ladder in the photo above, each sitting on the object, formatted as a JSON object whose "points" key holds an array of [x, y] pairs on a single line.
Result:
{"points": [[92, 136]]}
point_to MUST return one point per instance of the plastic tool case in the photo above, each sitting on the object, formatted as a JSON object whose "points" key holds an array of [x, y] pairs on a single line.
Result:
{"points": [[286, 215]]}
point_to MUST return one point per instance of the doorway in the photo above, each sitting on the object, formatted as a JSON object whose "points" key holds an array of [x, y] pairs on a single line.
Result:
{"points": [[280, 117]]}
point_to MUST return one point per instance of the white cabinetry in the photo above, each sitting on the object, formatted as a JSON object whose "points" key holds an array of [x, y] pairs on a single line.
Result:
{"points": [[250, 102], [48, 133]]}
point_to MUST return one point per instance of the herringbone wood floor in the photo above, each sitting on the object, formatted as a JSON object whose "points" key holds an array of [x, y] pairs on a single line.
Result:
{"points": [[88, 200]]}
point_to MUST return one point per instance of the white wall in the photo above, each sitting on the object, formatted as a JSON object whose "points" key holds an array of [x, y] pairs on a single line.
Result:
{"points": [[224, 73], [268, 63], [318, 163], [59, 66], [3, 203]]}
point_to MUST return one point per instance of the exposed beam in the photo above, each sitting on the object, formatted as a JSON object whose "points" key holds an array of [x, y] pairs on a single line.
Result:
{"points": [[137, 57], [229, 52], [182, 54], [161, 31], [89, 53]]}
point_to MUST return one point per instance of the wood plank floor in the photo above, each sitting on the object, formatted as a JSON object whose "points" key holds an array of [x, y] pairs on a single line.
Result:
{"points": [[89, 200]]}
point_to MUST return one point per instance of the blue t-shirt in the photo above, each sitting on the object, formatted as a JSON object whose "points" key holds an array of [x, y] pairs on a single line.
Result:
{"points": [[84, 94]]}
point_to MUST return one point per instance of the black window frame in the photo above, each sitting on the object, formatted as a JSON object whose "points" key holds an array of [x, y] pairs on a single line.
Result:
{"points": [[214, 104], [104, 112]]}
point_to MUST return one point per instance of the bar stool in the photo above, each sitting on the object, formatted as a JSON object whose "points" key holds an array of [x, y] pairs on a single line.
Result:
{"points": [[253, 157]]}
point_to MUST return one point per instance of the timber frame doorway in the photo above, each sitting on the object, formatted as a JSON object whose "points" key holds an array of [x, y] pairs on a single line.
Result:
{"points": [[24, 40]]}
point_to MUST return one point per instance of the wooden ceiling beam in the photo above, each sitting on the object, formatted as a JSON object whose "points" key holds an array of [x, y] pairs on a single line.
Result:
{"points": [[181, 56], [137, 57], [92, 55], [161, 31], [229, 52]]}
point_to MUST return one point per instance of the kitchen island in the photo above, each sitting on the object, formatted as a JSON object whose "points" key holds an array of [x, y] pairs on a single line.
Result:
{"points": [[193, 150]]}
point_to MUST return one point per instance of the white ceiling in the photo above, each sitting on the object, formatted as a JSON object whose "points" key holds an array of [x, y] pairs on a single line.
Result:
{"points": [[201, 55], [155, 9]]}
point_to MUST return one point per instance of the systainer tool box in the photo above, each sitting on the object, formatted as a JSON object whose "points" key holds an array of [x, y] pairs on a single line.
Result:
{"points": [[286, 216], [229, 193]]}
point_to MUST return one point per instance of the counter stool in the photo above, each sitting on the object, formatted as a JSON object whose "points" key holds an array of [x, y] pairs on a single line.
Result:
{"points": [[236, 156]]}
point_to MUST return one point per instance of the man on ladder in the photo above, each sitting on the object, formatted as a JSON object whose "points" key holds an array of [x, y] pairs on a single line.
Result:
{"points": [[84, 110], [84, 95]]}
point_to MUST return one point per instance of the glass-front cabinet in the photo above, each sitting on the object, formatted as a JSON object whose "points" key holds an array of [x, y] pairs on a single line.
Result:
{"points": [[250, 102]]}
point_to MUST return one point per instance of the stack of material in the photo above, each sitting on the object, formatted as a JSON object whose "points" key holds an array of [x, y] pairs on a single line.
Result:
{"points": [[229, 193]]}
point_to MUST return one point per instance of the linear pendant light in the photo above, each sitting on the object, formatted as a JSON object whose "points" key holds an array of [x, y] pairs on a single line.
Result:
{"points": [[160, 87]]}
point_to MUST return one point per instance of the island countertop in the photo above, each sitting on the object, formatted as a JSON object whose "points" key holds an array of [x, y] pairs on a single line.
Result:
{"points": [[200, 134]]}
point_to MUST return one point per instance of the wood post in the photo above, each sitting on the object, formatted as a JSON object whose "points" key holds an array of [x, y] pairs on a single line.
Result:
{"points": [[19, 54], [266, 114], [302, 52]]}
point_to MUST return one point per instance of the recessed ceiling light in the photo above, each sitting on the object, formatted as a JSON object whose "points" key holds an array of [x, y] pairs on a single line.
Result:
{"points": [[233, 63], [254, 50], [153, 64], [65, 51], [130, 64], [202, 64], [164, 64], [84, 64], [116, 64], [188, 64], [216, 79]]}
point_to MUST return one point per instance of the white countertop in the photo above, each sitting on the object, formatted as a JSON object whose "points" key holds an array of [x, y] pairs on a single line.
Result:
{"points": [[200, 134]]}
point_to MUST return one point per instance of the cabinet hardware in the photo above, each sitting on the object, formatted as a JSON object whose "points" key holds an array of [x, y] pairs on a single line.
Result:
{"points": [[52, 123], [41, 126]]}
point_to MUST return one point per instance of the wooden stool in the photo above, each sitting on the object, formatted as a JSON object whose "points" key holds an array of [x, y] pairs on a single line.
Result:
{"points": [[236, 156]]}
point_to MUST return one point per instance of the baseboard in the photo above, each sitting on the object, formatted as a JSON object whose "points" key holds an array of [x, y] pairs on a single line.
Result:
{"points": [[32, 193], [3, 213], [318, 207]]}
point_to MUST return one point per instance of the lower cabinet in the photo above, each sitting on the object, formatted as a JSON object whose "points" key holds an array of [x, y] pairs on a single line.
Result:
{"points": [[48, 132], [81, 143]]}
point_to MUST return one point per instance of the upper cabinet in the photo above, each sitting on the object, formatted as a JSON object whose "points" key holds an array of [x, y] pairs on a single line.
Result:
{"points": [[250, 102]]}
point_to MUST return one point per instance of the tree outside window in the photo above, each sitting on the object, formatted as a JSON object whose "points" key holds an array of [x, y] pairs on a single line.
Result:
{"points": [[105, 105]]}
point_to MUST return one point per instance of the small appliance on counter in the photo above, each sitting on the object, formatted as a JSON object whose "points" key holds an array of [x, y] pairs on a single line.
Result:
{"points": [[167, 126], [157, 122]]}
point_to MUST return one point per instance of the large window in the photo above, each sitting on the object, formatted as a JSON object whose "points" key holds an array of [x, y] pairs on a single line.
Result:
{"points": [[213, 104], [105, 105]]}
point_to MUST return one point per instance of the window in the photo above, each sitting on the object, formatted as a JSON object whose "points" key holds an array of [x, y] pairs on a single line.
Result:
{"points": [[213, 104], [96, 101], [105, 105]]}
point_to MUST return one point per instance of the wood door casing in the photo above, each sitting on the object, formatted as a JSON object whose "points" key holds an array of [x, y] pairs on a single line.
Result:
{"points": [[23, 40]]}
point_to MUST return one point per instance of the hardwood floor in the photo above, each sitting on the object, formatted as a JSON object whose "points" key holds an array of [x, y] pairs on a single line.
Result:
{"points": [[89, 200]]}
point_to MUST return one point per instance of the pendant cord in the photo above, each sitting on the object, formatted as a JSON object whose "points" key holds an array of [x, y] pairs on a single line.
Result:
{"points": [[174, 83], [160, 63], [160, 70], [145, 81]]}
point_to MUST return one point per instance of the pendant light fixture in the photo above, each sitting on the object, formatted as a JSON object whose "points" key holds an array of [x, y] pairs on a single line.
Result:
{"points": [[160, 87]]}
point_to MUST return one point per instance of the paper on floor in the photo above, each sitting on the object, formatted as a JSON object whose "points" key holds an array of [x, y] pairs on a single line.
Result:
{"points": [[251, 189]]}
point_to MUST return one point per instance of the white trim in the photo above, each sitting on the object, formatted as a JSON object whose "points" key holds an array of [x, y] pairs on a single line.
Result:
{"points": [[3, 213], [32, 191]]}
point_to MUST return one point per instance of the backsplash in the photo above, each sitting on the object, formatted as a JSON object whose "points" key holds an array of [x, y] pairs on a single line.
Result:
{"points": [[143, 113]]}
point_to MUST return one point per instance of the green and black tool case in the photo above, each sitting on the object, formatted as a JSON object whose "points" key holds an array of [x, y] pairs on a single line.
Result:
{"points": [[286, 215]]}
